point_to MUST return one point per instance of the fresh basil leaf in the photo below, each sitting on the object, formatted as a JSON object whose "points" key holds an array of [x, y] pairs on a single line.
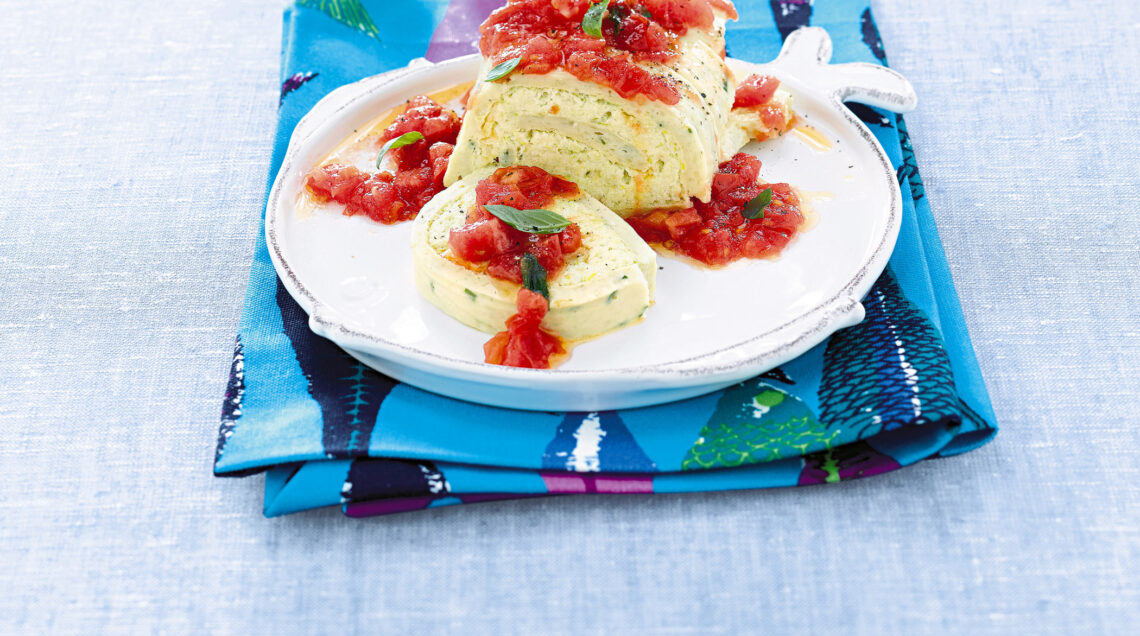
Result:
{"points": [[503, 69], [645, 12], [754, 209], [592, 21], [534, 275], [398, 142], [533, 221]]}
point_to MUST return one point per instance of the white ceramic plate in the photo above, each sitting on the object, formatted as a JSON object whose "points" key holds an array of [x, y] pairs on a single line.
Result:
{"points": [[708, 328]]}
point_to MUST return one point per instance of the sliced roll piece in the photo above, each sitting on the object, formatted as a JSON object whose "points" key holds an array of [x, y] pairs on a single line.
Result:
{"points": [[632, 154], [771, 119], [606, 284]]}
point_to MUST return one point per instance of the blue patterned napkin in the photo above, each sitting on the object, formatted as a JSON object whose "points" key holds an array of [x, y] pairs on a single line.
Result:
{"points": [[900, 387]]}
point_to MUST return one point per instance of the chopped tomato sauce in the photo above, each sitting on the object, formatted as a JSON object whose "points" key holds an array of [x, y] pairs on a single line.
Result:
{"points": [[524, 344], [486, 239], [716, 233], [389, 197], [547, 34]]}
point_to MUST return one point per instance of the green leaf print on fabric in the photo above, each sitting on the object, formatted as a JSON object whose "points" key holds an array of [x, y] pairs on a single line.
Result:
{"points": [[348, 12], [756, 422]]}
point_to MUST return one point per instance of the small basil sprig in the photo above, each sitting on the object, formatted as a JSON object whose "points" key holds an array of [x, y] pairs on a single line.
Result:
{"points": [[503, 69], [398, 142], [754, 209], [533, 221], [592, 21], [534, 275]]}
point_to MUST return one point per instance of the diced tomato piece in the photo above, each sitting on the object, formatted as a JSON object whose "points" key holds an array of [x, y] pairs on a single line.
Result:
{"points": [[773, 117], [680, 223], [506, 266], [651, 225], [755, 90], [713, 247], [411, 183], [524, 343], [380, 202], [439, 155], [334, 181], [679, 15], [548, 250], [426, 117], [755, 245], [532, 308], [495, 349], [742, 163], [527, 186], [570, 239], [754, 100], [571, 9], [479, 241], [638, 34]]}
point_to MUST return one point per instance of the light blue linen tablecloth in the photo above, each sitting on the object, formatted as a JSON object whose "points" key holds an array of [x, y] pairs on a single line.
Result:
{"points": [[134, 150]]}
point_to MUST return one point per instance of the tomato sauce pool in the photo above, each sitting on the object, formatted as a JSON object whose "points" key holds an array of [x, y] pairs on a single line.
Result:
{"points": [[717, 233], [391, 197]]}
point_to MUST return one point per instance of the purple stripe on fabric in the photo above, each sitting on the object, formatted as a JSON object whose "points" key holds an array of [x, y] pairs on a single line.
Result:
{"points": [[570, 483], [458, 33], [623, 485], [386, 506]]}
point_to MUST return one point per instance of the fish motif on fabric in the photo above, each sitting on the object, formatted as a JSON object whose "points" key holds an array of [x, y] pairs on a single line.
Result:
{"points": [[348, 393], [293, 82], [594, 442], [348, 12], [888, 371], [791, 15], [850, 461], [869, 115], [757, 422], [871, 35], [231, 405], [907, 172]]}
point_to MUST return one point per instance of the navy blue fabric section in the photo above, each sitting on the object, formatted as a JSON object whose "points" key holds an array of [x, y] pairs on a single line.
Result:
{"points": [[791, 15], [375, 478], [348, 392]]}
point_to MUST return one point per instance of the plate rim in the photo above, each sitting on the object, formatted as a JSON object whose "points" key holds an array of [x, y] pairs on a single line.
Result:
{"points": [[799, 334]]}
